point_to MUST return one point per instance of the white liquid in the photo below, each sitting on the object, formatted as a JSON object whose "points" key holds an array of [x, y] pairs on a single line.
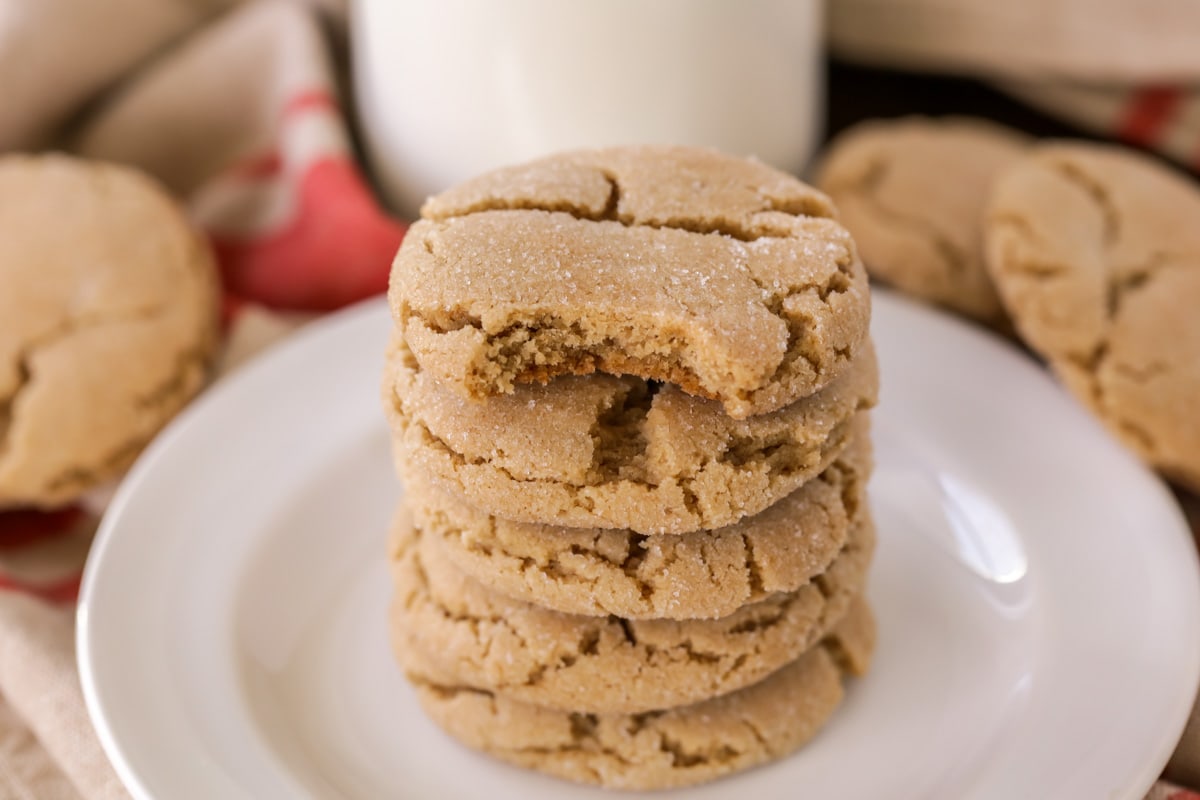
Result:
{"points": [[451, 88]]}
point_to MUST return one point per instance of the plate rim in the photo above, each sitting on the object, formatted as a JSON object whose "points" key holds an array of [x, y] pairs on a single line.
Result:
{"points": [[127, 492]]}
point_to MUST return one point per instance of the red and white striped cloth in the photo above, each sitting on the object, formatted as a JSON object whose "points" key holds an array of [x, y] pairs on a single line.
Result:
{"points": [[1162, 118], [237, 110]]}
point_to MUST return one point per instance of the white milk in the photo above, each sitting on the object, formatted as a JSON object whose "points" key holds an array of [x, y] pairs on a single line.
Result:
{"points": [[450, 88]]}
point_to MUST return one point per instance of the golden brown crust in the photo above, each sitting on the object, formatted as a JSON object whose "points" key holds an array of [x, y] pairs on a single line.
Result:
{"points": [[488, 641], [605, 452], [658, 749], [629, 392], [675, 264], [705, 574]]}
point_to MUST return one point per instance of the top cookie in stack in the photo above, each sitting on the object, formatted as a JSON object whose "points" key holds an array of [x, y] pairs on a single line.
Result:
{"points": [[604, 261], [628, 389]]}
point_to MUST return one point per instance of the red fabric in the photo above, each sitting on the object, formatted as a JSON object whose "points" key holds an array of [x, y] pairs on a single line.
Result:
{"points": [[25, 527], [25, 530], [1148, 113], [335, 249], [309, 99], [263, 166], [63, 591]]}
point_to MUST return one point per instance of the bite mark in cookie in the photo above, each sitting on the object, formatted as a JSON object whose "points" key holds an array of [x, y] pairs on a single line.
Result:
{"points": [[679, 265], [605, 452]]}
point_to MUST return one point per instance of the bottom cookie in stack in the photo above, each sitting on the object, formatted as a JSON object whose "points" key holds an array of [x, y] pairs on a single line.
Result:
{"points": [[659, 749], [647, 703]]}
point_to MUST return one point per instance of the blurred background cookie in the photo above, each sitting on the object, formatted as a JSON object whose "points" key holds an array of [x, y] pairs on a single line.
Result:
{"points": [[1095, 251], [108, 318], [913, 191]]}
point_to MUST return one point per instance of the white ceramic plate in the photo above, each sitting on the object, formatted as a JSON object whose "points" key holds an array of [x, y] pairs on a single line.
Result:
{"points": [[1036, 591]]}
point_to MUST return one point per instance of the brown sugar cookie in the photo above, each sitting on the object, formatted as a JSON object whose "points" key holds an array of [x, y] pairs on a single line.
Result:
{"points": [[913, 192], [107, 322], [606, 452], [681, 265], [705, 574], [656, 749], [605, 664], [1096, 252]]}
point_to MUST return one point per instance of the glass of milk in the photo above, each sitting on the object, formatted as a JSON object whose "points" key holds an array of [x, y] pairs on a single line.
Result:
{"points": [[450, 88]]}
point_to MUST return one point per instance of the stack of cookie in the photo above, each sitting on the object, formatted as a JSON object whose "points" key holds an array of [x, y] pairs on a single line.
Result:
{"points": [[629, 394]]}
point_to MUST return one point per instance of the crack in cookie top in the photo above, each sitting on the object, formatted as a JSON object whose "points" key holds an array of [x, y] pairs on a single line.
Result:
{"points": [[704, 574], [721, 275], [606, 664], [663, 748]]}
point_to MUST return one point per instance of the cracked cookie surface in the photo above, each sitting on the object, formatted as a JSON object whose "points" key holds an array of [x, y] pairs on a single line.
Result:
{"points": [[107, 322], [913, 192], [605, 452], [681, 265], [705, 574], [1096, 252], [605, 664], [657, 749]]}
